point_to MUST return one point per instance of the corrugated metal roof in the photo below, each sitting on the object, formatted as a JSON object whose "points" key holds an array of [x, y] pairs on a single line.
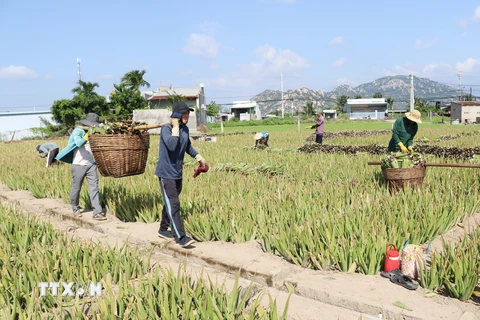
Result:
{"points": [[468, 103], [165, 97]]}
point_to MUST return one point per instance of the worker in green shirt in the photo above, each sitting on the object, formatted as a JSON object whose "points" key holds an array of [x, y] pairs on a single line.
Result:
{"points": [[403, 131]]}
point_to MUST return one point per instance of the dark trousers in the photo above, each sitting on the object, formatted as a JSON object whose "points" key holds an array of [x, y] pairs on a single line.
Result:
{"points": [[171, 189], [319, 138], [51, 157]]}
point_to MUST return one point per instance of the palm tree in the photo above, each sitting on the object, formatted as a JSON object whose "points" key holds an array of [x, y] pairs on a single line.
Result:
{"points": [[86, 98], [134, 79], [377, 95], [308, 108], [389, 101], [340, 102]]}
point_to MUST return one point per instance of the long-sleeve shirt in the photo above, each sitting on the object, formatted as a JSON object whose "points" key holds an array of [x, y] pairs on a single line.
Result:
{"points": [[46, 148], [403, 131], [172, 152], [320, 124], [76, 151]]}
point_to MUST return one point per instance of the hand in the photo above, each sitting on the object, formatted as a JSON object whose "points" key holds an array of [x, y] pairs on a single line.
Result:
{"points": [[175, 122], [410, 148], [309, 127], [85, 136], [201, 160], [402, 147], [176, 115]]}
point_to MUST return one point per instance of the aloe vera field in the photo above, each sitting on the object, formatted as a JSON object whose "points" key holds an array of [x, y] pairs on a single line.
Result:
{"points": [[318, 207]]}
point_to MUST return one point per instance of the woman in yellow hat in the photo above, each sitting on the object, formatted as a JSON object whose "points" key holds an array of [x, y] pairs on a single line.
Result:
{"points": [[403, 132]]}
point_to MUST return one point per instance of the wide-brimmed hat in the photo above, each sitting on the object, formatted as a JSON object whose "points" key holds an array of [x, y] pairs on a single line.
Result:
{"points": [[414, 116], [181, 107], [257, 136], [92, 119]]}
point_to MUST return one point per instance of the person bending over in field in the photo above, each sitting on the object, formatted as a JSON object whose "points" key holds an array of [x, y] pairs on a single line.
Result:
{"points": [[48, 150], [403, 131], [174, 143], [261, 139]]}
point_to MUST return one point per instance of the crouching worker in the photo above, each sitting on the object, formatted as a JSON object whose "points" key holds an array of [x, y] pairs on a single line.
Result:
{"points": [[174, 143], [261, 139], [403, 131], [48, 150]]}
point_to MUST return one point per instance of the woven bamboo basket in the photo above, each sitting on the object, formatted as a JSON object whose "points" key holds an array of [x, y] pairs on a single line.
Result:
{"points": [[120, 155], [399, 178]]}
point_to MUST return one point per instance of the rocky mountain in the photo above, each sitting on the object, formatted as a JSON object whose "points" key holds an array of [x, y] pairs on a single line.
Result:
{"points": [[397, 87]]}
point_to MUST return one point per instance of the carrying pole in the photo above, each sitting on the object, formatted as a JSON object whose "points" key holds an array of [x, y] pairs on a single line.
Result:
{"points": [[452, 165]]}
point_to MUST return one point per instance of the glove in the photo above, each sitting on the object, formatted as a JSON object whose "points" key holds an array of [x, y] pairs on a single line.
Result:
{"points": [[201, 160], [85, 136], [402, 147], [175, 122], [176, 115], [201, 168], [410, 148], [309, 127]]}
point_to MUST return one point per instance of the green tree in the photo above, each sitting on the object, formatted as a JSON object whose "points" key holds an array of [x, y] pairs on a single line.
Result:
{"points": [[124, 100], [340, 103], [308, 109], [358, 96], [377, 95], [66, 112], [389, 100], [134, 80], [87, 99], [213, 109], [47, 129]]}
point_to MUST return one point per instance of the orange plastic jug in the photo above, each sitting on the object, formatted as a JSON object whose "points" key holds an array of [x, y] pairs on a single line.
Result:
{"points": [[392, 259]]}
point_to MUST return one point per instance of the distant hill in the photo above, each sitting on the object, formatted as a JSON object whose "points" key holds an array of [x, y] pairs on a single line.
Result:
{"points": [[397, 87]]}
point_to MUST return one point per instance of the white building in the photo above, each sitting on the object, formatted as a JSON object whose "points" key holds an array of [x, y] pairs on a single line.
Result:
{"points": [[373, 108], [465, 111], [246, 110], [18, 125]]}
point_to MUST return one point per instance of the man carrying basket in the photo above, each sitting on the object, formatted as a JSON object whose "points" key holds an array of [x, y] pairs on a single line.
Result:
{"points": [[174, 143]]}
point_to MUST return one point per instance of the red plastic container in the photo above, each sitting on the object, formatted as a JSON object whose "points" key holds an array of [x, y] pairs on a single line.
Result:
{"points": [[392, 259]]}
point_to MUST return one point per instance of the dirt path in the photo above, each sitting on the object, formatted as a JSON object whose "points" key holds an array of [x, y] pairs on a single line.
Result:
{"points": [[317, 294]]}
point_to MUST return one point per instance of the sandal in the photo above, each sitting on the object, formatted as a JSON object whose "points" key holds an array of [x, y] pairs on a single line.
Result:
{"points": [[397, 277]]}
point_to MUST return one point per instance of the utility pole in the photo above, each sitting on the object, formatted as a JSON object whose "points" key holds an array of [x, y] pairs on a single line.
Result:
{"points": [[281, 84], [470, 94], [79, 72], [412, 102], [460, 91]]}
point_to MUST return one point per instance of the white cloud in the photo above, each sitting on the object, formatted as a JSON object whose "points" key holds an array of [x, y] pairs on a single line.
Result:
{"points": [[337, 63], [267, 69], [17, 73], [213, 66], [436, 69], [462, 23], [423, 44], [337, 40], [274, 62], [202, 45], [49, 76], [476, 14], [470, 65]]}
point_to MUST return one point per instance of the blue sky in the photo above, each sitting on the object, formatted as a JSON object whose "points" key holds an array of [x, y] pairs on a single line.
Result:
{"points": [[236, 48]]}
